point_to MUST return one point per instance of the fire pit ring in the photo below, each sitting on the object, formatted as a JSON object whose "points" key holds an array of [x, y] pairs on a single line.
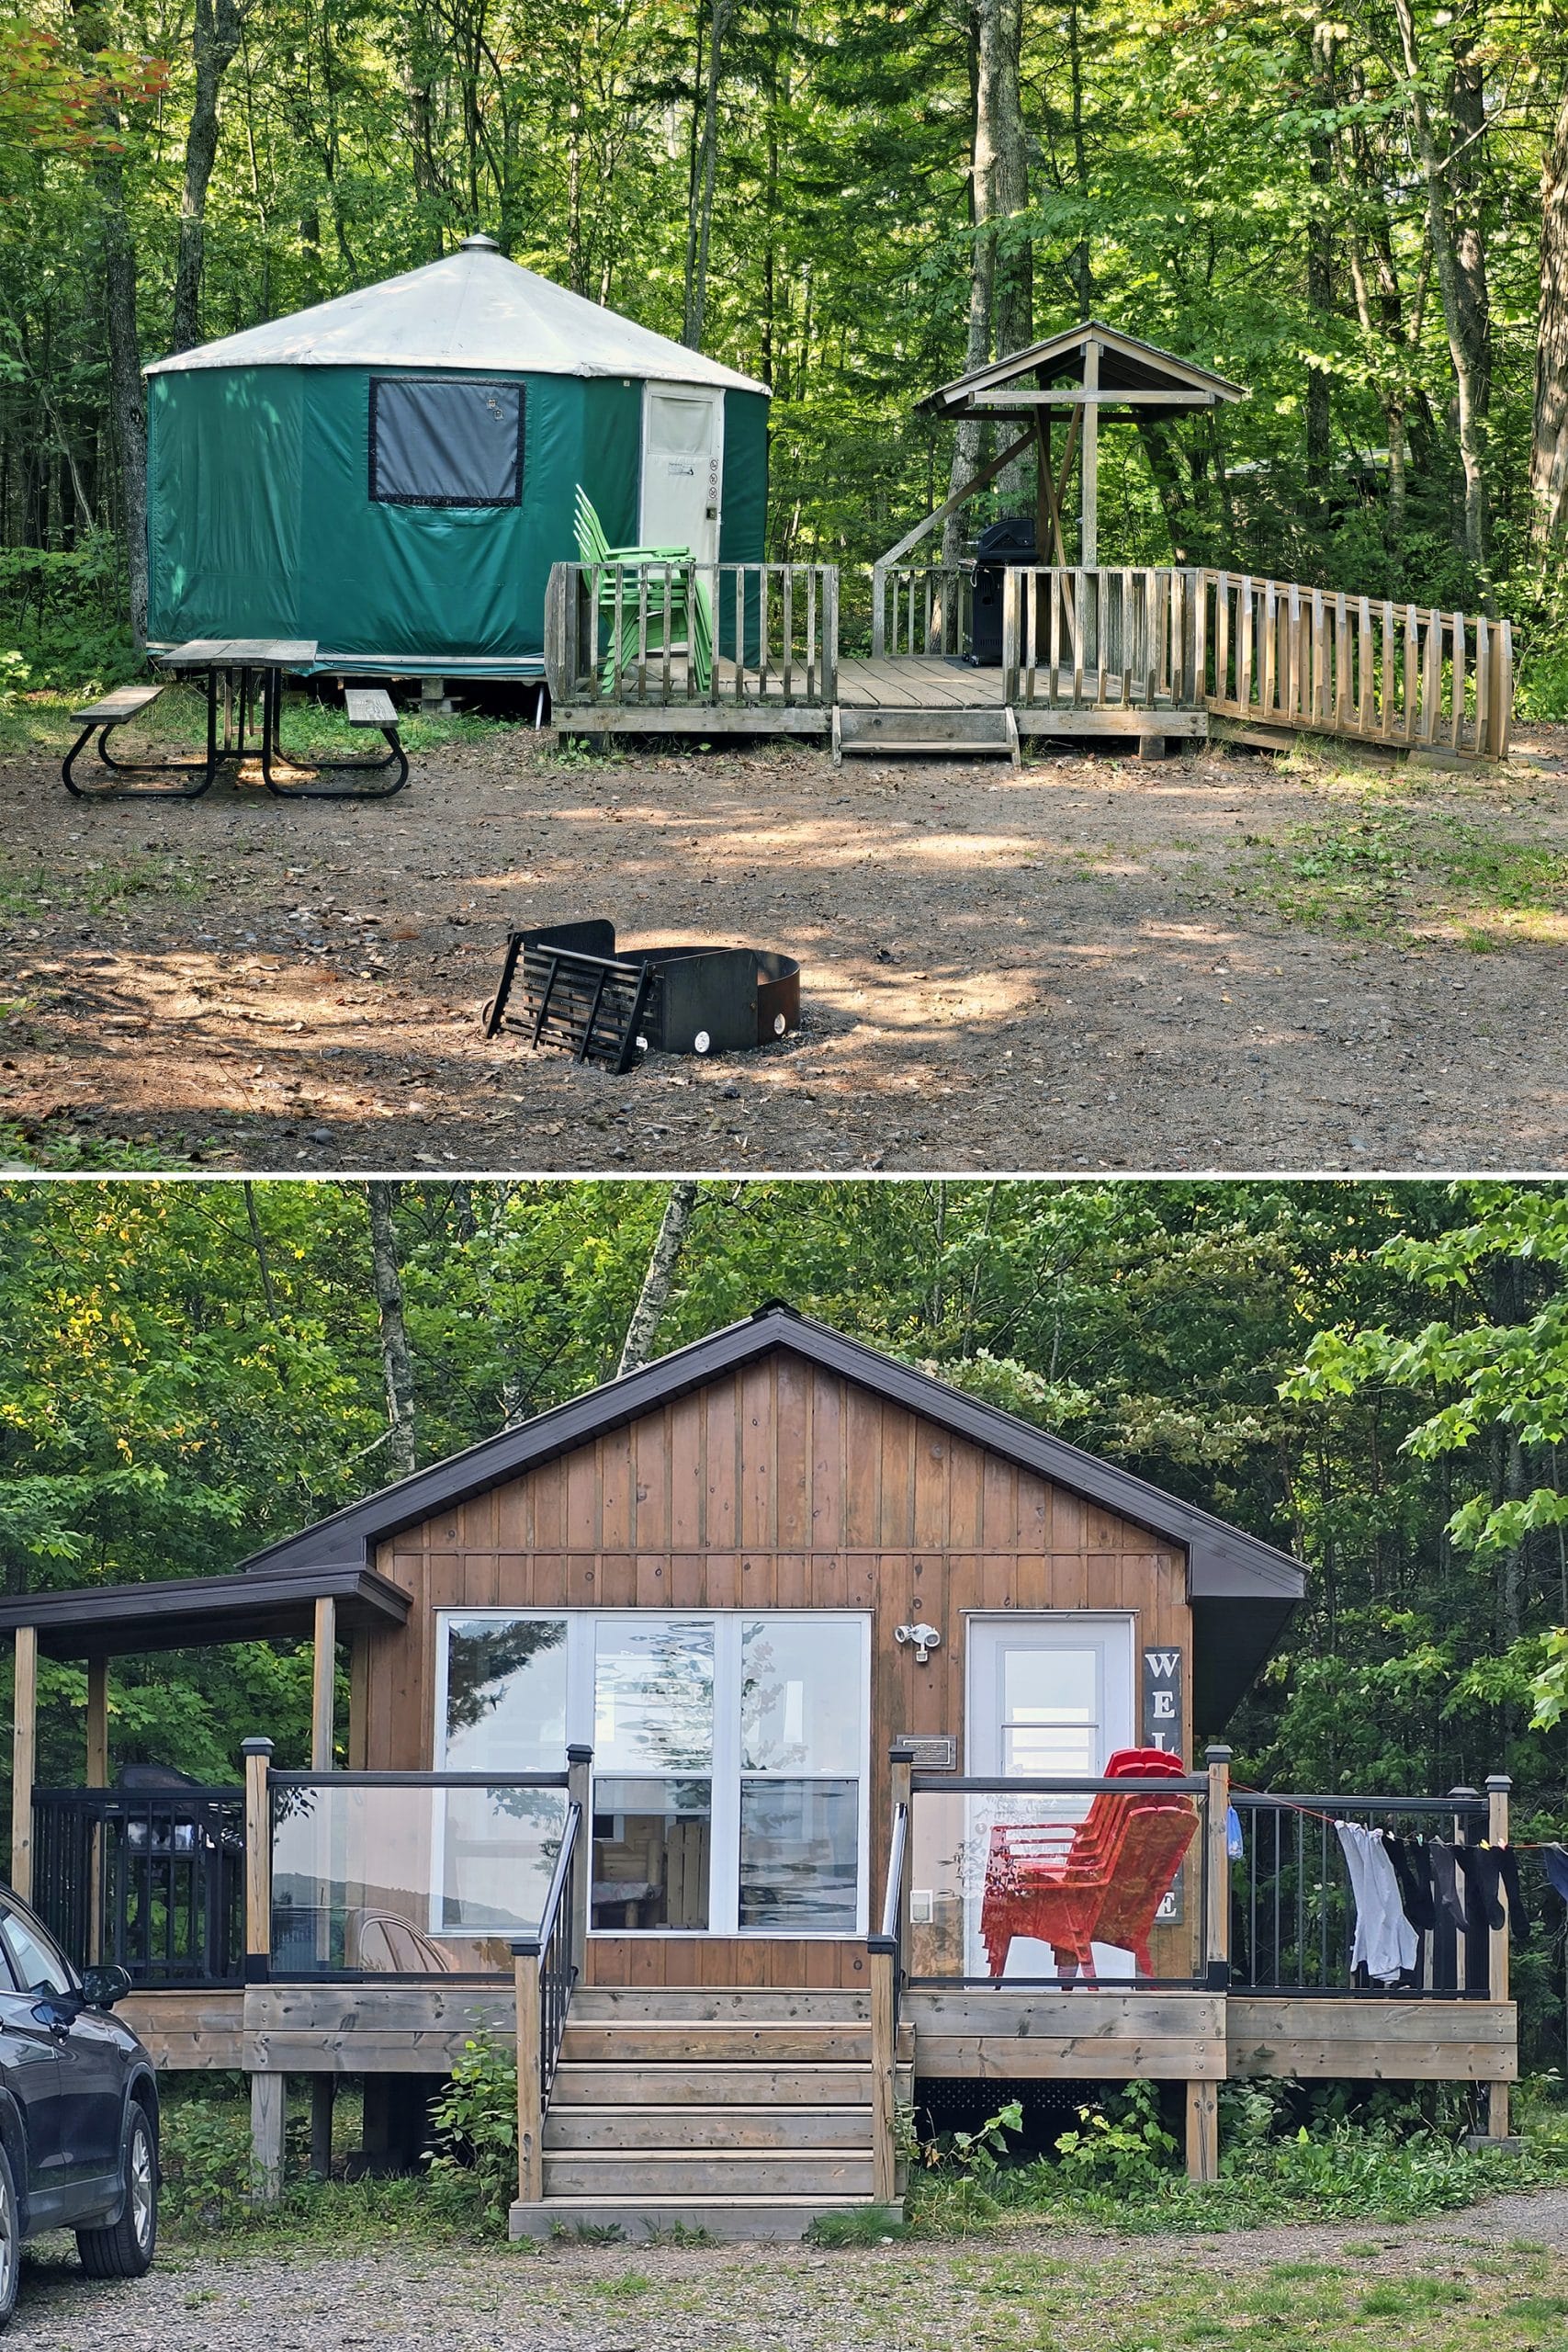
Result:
{"points": [[569, 989]]}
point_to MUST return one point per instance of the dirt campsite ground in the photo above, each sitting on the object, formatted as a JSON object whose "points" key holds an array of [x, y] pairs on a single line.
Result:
{"points": [[1488, 2279], [1219, 961]]}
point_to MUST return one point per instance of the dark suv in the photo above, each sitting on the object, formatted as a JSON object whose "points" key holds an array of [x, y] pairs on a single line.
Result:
{"points": [[78, 2111]]}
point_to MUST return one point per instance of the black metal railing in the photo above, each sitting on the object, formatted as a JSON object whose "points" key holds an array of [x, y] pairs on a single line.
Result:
{"points": [[1292, 1903], [555, 1947], [152, 1880]]}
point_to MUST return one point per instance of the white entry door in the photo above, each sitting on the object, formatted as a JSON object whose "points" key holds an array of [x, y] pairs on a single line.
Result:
{"points": [[1049, 1698], [683, 467]]}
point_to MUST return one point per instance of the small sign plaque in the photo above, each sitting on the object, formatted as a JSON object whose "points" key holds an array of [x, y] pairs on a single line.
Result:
{"points": [[1162, 1728], [935, 1751]]}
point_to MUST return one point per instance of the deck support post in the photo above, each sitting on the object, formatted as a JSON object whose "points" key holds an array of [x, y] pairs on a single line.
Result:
{"points": [[1088, 533], [257, 1753], [323, 2097], [530, 2105], [1203, 2132], [24, 1759], [323, 1684], [882, 1961], [580, 1792], [268, 2114]]}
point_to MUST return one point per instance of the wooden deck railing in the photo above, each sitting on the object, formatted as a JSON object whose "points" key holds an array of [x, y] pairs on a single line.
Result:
{"points": [[1127, 640], [920, 608], [619, 633], [885, 1962], [1314, 659]]}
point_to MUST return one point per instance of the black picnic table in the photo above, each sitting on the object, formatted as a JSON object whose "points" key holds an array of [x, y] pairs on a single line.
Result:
{"points": [[238, 671]]}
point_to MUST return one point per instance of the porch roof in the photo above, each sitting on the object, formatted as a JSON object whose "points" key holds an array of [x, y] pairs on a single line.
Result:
{"points": [[181, 1612], [1241, 1589], [1133, 373]]}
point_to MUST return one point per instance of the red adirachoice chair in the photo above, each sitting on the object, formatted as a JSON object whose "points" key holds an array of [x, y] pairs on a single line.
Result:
{"points": [[1068, 1885]]}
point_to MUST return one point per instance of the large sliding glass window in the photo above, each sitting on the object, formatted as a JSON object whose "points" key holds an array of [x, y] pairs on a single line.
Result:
{"points": [[729, 1754]]}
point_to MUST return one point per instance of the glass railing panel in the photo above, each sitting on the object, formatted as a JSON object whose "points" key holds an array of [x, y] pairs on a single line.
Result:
{"points": [[1010, 1885], [408, 1878]]}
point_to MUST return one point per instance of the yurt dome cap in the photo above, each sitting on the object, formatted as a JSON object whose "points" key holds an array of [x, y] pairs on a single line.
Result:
{"points": [[471, 308]]}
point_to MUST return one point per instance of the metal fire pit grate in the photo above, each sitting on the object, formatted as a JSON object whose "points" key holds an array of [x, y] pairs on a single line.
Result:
{"points": [[570, 989]]}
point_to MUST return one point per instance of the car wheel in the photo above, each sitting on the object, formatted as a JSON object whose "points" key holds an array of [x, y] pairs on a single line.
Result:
{"points": [[125, 2249], [10, 2240]]}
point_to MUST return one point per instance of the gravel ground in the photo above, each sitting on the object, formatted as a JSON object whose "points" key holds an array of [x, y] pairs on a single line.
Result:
{"points": [[1094, 963], [658, 2299]]}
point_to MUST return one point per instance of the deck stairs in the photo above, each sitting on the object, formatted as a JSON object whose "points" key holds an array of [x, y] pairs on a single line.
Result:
{"points": [[950, 732], [744, 2114]]}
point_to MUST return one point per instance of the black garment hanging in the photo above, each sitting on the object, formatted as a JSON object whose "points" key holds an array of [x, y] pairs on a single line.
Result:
{"points": [[1498, 1867], [1412, 1870], [1478, 1869], [1554, 1862], [1445, 1883]]}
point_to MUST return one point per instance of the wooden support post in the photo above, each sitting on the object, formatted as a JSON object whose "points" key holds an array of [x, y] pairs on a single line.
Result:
{"points": [[530, 2111], [324, 1685], [1202, 2131], [1217, 1873], [580, 1791], [882, 1960], [269, 2107], [98, 1722], [1088, 541], [24, 1759], [257, 1753], [324, 2093]]}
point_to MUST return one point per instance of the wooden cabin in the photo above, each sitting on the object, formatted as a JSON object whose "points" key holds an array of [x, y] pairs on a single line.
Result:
{"points": [[696, 1731]]}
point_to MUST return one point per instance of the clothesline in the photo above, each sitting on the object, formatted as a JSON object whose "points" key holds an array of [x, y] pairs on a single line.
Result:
{"points": [[1316, 1812]]}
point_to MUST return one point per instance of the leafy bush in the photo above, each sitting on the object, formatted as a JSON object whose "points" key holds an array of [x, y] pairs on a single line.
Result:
{"points": [[204, 2147], [1128, 2148], [475, 2124]]}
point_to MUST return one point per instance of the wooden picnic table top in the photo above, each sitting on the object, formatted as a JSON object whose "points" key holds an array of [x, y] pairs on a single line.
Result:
{"points": [[240, 654]]}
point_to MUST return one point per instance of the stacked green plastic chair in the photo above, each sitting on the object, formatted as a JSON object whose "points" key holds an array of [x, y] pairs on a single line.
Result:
{"points": [[690, 618]]}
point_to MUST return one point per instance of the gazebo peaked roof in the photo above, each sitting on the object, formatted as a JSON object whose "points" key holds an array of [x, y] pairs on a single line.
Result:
{"points": [[1132, 373], [474, 309]]}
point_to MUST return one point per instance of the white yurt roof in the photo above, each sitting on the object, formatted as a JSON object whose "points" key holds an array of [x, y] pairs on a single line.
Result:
{"points": [[471, 308]]}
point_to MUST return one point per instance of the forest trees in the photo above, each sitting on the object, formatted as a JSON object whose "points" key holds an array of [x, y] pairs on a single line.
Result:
{"points": [[1343, 213]]}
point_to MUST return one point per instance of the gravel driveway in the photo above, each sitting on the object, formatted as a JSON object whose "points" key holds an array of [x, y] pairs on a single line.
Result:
{"points": [[1000, 2290]]}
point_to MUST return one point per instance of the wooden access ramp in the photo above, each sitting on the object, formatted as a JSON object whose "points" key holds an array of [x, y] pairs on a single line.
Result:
{"points": [[746, 2115]]}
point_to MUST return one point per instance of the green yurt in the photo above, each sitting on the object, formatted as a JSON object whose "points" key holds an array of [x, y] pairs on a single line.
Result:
{"points": [[393, 473]]}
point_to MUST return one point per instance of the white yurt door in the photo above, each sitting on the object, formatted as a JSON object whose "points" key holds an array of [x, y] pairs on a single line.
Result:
{"points": [[683, 465]]}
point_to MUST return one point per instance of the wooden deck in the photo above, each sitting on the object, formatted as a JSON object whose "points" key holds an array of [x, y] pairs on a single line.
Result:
{"points": [[1094, 2032], [752, 703]]}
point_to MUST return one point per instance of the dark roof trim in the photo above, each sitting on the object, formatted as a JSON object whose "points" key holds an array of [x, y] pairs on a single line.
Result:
{"points": [[1134, 365], [177, 1612], [1222, 1559]]}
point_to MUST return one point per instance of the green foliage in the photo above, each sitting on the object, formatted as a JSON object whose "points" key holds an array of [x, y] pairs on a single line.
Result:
{"points": [[475, 2120], [204, 2148], [975, 2153], [1125, 2149]]}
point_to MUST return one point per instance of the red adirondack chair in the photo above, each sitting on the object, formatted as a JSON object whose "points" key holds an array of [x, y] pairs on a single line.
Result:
{"points": [[1101, 1880]]}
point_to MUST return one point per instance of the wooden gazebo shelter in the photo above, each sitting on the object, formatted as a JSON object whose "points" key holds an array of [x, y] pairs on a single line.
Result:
{"points": [[1094, 375]]}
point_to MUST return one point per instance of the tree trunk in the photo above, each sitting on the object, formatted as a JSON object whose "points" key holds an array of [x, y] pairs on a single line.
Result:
{"points": [[214, 39], [989, 44], [126, 409], [1014, 289], [700, 227], [1320, 271], [397, 1362], [1548, 431], [1457, 319], [659, 1280], [1080, 266]]}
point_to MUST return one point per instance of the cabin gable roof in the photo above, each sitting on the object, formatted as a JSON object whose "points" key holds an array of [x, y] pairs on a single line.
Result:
{"points": [[1127, 365]]}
